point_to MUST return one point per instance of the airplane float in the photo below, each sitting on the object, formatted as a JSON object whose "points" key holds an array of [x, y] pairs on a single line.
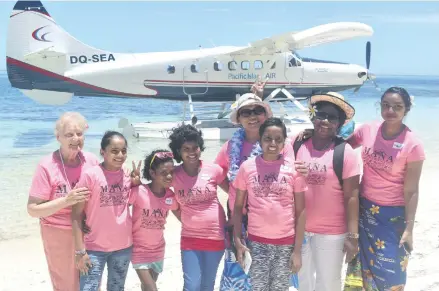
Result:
{"points": [[50, 66]]}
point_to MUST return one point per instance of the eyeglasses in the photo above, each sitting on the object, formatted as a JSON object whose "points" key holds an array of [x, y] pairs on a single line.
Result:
{"points": [[331, 118], [387, 106], [161, 155], [259, 110]]}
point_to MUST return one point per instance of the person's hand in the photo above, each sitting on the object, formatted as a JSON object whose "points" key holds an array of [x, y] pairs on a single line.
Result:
{"points": [[351, 248], [135, 174], [296, 261], [301, 168], [240, 252], [304, 134], [83, 263], [407, 240], [77, 195], [258, 88]]}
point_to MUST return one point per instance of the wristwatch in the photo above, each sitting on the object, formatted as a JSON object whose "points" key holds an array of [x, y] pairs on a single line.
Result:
{"points": [[80, 253], [353, 235]]}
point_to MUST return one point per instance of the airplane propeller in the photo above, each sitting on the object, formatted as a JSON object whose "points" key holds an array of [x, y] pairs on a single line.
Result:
{"points": [[370, 77]]}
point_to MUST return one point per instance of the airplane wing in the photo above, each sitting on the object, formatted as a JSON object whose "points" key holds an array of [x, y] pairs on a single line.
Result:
{"points": [[314, 36]]}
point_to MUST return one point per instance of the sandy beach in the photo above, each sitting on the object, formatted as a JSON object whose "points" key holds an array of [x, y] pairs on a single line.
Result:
{"points": [[24, 267]]}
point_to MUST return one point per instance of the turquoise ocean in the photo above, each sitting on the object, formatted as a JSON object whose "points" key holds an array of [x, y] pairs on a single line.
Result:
{"points": [[26, 134]]}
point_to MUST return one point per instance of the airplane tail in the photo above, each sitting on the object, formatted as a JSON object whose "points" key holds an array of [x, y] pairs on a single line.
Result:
{"points": [[39, 52]]}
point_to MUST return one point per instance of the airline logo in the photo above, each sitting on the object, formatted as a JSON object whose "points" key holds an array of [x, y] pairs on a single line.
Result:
{"points": [[40, 36]]}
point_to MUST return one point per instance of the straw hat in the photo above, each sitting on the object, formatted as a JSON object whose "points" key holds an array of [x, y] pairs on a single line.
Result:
{"points": [[246, 100], [335, 98]]}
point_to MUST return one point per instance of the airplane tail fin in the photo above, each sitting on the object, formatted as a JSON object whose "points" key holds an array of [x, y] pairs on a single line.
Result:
{"points": [[38, 53]]}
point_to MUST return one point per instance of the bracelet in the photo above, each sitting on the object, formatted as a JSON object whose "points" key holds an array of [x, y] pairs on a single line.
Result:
{"points": [[353, 235], [80, 253]]}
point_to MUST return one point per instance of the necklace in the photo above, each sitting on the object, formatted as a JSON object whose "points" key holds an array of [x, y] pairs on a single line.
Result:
{"points": [[64, 168]]}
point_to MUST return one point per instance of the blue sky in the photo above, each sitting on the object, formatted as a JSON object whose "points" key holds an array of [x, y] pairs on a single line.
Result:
{"points": [[405, 41]]}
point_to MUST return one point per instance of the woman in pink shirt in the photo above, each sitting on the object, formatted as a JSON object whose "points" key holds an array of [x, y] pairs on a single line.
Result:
{"points": [[109, 241], [332, 199], [392, 157], [276, 211], [52, 194], [202, 216], [151, 205]]}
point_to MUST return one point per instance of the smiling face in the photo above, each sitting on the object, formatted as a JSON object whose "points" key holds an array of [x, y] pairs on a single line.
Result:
{"points": [[272, 142], [71, 138], [251, 117], [163, 174], [190, 152], [327, 121], [115, 153], [393, 108]]}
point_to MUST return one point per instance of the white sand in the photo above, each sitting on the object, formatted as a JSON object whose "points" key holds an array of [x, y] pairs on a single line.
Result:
{"points": [[23, 265]]}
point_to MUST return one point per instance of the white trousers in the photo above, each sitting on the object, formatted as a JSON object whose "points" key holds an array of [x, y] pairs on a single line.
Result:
{"points": [[322, 261]]}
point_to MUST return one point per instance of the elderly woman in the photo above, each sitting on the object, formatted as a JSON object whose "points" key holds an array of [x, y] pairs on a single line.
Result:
{"points": [[52, 194]]}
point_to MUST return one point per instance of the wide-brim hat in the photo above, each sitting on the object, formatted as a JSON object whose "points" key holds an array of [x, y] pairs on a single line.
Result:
{"points": [[246, 100], [335, 98]]}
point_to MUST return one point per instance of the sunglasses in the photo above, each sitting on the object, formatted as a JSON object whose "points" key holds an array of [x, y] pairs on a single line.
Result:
{"points": [[259, 110], [331, 118], [161, 155]]}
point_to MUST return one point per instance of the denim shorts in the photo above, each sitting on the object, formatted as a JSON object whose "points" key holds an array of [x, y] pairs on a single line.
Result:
{"points": [[155, 266]]}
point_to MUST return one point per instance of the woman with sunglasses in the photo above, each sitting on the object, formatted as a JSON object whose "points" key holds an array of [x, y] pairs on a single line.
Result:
{"points": [[249, 111], [151, 205], [202, 216], [331, 207]]}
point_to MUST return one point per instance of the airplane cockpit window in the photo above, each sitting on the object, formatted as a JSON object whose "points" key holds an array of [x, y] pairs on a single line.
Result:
{"points": [[258, 65], [194, 68], [293, 62], [217, 66], [273, 66], [232, 65], [245, 65], [171, 69]]}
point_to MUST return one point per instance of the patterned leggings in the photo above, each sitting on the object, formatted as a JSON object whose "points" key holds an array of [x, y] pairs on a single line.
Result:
{"points": [[270, 268]]}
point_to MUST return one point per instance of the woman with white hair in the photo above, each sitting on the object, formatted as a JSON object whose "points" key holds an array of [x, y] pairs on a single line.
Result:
{"points": [[52, 195]]}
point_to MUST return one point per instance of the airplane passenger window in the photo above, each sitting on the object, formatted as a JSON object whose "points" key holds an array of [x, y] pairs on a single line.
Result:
{"points": [[245, 65], [171, 69], [258, 65], [217, 66], [194, 68], [232, 65]]}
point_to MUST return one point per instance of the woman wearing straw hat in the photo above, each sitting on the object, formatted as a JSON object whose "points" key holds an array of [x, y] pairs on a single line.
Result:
{"points": [[332, 204], [249, 111]]}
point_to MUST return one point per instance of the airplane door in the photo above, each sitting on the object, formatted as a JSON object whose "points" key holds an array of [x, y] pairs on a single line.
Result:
{"points": [[293, 69], [195, 80]]}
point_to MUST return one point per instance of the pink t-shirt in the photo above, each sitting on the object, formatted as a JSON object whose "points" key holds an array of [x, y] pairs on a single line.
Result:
{"points": [[50, 183], [107, 211], [325, 209], [271, 186], [223, 159], [202, 215], [149, 219], [385, 162]]}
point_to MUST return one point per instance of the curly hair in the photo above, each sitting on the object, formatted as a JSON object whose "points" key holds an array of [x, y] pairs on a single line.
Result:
{"points": [[155, 164], [180, 135]]}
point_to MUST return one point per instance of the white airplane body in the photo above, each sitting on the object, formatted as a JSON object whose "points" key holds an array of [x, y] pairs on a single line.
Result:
{"points": [[50, 66]]}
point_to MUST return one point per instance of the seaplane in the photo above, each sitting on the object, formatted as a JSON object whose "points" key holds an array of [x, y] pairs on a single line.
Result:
{"points": [[50, 66]]}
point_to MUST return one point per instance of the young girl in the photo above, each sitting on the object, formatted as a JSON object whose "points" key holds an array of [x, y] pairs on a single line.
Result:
{"points": [[109, 240], [276, 211], [151, 205], [202, 216]]}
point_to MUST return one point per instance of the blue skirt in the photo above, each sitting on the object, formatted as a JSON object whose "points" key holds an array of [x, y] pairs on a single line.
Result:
{"points": [[383, 262]]}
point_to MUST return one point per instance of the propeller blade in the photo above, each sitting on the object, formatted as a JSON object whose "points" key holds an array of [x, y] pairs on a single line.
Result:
{"points": [[368, 55]]}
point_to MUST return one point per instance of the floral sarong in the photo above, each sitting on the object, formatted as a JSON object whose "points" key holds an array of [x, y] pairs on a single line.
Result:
{"points": [[383, 262]]}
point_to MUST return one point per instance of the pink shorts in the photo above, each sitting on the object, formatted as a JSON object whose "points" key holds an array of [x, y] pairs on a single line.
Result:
{"points": [[60, 255]]}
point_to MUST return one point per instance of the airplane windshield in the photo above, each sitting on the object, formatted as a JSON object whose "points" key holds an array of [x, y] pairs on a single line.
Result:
{"points": [[297, 55]]}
